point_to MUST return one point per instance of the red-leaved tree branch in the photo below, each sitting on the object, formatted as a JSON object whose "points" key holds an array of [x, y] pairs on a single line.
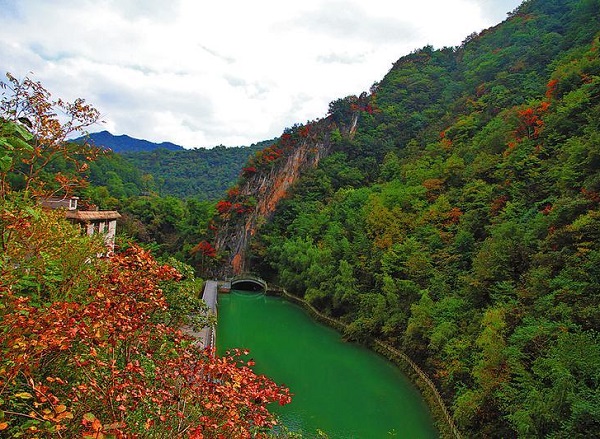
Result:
{"points": [[42, 127]]}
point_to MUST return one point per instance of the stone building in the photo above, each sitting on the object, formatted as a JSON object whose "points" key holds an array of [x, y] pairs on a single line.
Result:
{"points": [[91, 221], [97, 221]]}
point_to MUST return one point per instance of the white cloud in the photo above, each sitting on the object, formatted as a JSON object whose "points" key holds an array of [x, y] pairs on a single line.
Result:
{"points": [[231, 72]]}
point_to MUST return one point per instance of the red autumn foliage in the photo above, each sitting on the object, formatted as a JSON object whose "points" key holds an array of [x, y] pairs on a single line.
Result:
{"points": [[269, 154], [530, 123], [248, 171], [454, 216], [29, 104], [433, 186], [111, 366], [304, 131], [551, 88], [205, 249], [223, 207], [445, 141], [261, 160], [368, 108], [547, 209], [233, 192], [590, 195], [498, 204], [241, 208]]}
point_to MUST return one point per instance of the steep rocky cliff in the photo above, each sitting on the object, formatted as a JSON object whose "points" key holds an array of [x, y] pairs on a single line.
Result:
{"points": [[270, 173]]}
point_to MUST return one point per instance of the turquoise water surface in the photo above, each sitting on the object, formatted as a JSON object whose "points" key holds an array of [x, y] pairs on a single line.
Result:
{"points": [[340, 388]]}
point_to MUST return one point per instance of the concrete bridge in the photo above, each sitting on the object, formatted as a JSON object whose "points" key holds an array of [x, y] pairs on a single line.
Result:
{"points": [[248, 282]]}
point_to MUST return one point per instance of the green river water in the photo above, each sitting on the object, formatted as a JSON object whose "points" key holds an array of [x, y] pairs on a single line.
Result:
{"points": [[340, 388]]}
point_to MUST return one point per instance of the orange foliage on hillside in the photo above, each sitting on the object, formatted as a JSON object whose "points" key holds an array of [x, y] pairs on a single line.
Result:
{"points": [[110, 367]]}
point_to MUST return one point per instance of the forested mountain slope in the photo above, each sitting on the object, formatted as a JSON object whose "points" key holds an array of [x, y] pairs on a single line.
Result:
{"points": [[459, 221], [141, 166], [200, 173]]}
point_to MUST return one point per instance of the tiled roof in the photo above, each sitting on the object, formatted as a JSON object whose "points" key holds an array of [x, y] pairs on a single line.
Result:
{"points": [[93, 215]]}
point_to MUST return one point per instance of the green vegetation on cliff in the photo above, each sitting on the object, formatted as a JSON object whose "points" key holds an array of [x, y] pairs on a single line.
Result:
{"points": [[460, 222]]}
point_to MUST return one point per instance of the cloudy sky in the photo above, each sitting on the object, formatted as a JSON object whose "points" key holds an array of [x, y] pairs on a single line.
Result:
{"points": [[229, 72]]}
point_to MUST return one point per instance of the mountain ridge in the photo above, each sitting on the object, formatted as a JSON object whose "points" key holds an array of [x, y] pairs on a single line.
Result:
{"points": [[124, 143]]}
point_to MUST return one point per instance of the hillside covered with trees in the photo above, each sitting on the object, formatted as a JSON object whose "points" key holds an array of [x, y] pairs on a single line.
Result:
{"points": [[459, 221], [204, 174], [166, 169], [132, 167]]}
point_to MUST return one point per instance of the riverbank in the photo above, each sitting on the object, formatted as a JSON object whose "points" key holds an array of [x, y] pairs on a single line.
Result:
{"points": [[427, 388]]}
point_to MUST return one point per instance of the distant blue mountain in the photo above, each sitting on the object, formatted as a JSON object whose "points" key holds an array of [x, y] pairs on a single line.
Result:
{"points": [[124, 143]]}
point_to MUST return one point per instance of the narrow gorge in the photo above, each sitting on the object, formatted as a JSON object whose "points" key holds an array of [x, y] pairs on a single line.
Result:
{"points": [[270, 174]]}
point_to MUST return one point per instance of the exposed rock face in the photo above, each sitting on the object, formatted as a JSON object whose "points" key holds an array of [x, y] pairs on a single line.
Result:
{"points": [[267, 179]]}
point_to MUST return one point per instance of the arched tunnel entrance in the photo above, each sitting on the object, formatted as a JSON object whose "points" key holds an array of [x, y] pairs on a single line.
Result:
{"points": [[248, 283]]}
